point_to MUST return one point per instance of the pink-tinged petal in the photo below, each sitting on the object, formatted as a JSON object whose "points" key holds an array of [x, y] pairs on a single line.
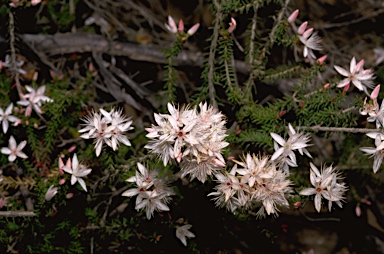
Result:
{"points": [[12, 143], [358, 84], [278, 139], [12, 157], [8, 111], [5, 126], [342, 71], [84, 172], [277, 153], [305, 52], [67, 169], [291, 129], [61, 163], [347, 87], [293, 16], [130, 192], [75, 162], [308, 191], [21, 145], [99, 145], [21, 155], [375, 92], [302, 28], [6, 150], [73, 179], [141, 168], [82, 183], [345, 82], [368, 150], [318, 202], [352, 66], [218, 163], [314, 169], [191, 31]]}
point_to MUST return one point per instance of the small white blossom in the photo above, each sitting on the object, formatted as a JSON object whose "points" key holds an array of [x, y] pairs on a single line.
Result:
{"points": [[377, 153], [360, 78], [7, 63], [183, 232], [6, 117], [284, 155], [33, 100], [152, 191], [14, 150], [77, 171], [325, 185], [311, 42], [51, 192]]}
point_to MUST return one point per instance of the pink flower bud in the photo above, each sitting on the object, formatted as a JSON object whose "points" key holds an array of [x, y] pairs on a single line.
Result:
{"points": [[69, 195], [179, 157], [71, 149], [366, 201], [62, 181], [358, 211], [35, 76], [181, 26], [321, 59], [308, 33], [375, 92], [218, 163], [297, 204], [193, 29], [232, 25], [293, 16], [149, 129], [302, 28], [171, 26], [326, 85], [347, 87], [50, 193]]}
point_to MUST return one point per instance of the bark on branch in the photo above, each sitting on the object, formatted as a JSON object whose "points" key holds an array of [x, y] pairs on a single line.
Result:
{"points": [[67, 43]]}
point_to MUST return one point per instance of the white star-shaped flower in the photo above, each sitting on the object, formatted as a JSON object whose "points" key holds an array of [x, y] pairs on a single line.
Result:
{"points": [[77, 171], [14, 150]]}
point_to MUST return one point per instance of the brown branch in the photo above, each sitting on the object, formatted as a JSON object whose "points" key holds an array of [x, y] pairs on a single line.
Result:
{"points": [[68, 43], [17, 214]]}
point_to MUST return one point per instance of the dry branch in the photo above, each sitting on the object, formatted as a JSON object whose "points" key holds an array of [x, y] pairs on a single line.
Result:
{"points": [[67, 43]]}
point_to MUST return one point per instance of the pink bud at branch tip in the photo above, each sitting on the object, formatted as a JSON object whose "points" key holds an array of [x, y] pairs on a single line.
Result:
{"points": [[193, 29], [358, 211], [326, 85], [232, 25], [302, 28], [293, 16], [375, 92], [322, 59]]}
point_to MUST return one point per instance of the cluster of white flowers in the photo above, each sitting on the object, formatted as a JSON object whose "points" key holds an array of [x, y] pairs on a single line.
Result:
{"points": [[194, 138], [258, 183], [325, 185], [360, 78], [107, 127], [152, 191], [284, 155], [33, 99]]}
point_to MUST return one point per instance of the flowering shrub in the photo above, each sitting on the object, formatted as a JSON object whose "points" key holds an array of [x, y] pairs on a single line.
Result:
{"points": [[251, 132]]}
